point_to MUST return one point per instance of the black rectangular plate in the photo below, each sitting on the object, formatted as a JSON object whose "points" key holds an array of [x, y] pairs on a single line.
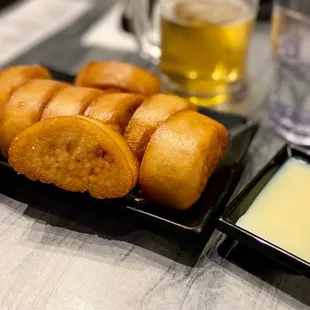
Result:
{"points": [[240, 205], [218, 190]]}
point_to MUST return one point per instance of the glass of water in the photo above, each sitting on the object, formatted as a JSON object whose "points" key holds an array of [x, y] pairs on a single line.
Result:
{"points": [[289, 112]]}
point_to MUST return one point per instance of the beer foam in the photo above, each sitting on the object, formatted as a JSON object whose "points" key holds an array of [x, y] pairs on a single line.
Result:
{"points": [[217, 12]]}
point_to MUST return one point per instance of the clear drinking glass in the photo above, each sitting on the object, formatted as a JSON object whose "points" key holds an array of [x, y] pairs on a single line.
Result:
{"points": [[201, 46], [289, 112]]}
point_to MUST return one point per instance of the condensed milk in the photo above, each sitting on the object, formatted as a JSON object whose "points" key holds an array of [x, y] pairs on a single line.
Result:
{"points": [[280, 214]]}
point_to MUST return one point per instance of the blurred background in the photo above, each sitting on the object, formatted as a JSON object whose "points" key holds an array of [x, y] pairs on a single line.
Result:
{"points": [[65, 34], [264, 13], [99, 24]]}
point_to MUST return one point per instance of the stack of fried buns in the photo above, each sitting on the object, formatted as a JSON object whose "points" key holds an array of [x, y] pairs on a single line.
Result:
{"points": [[109, 131]]}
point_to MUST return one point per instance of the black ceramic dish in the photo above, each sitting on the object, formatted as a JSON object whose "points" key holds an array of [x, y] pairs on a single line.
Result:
{"points": [[218, 190], [240, 205]]}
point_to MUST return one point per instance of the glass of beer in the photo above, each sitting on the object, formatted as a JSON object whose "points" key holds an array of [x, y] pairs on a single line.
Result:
{"points": [[201, 46]]}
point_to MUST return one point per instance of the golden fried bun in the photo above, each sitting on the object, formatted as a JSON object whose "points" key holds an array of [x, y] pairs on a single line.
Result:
{"points": [[25, 108], [13, 77], [151, 113], [77, 154], [114, 110], [220, 129], [123, 76], [70, 101], [179, 159]]}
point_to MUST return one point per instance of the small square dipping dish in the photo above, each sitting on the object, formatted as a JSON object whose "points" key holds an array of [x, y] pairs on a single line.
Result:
{"points": [[241, 204]]}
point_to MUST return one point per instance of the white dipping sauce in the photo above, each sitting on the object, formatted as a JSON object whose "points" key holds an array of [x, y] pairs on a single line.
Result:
{"points": [[280, 214]]}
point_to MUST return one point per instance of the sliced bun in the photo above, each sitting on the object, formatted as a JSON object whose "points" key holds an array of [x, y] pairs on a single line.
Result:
{"points": [[114, 110], [179, 159], [77, 154], [14, 77], [71, 100], [25, 108], [149, 116], [118, 75]]}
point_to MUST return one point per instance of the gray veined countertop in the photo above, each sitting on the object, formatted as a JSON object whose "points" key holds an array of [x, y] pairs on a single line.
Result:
{"points": [[49, 260]]}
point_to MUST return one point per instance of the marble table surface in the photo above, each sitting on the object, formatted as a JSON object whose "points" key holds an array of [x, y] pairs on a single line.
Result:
{"points": [[56, 254]]}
